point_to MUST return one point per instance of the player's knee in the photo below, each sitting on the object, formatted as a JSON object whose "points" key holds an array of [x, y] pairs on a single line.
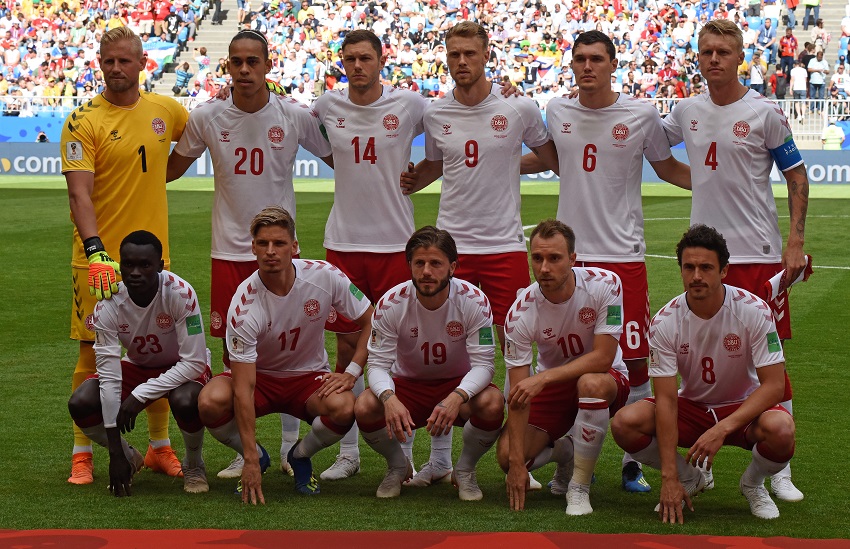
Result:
{"points": [[184, 400], [367, 409], [490, 405], [85, 401], [779, 428], [596, 386], [624, 425], [213, 403]]}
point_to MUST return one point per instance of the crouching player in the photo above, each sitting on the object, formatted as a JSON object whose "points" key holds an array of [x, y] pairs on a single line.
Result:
{"points": [[278, 363], [431, 358], [722, 341], [155, 317], [575, 316]]}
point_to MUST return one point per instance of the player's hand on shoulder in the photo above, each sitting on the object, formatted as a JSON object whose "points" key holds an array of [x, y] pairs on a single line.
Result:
{"points": [[509, 89], [223, 93], [409, 179], [103, 275], [275, 88]]}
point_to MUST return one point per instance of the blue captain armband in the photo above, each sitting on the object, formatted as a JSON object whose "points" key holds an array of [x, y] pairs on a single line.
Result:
{"points": [[787, 155]]}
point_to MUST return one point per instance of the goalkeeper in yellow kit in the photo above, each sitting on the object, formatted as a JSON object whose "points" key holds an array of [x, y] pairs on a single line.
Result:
{"points": [[114, 156]]}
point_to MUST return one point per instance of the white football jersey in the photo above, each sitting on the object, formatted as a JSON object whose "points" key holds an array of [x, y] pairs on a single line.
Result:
{"points": [[168, 332], [371, 148], [600, 153], [285, 335], [413, 342], [716, 358], [480, 148], [729, 152], [565, 331], [253, 155]]}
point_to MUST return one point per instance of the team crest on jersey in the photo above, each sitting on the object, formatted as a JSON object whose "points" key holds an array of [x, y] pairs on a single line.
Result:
{"points": [[565, 127], [741, 129], [312, 308], [684, 348], [225, 136], [454, 329], [694, 125], [340, 122], [499, 123], [391, 122], [158, 125], [620, 132], [164, 321], [732, 342], [447, 129], [215, 320], [276, 134], [90, 322], [332, 316], [587, 315]]}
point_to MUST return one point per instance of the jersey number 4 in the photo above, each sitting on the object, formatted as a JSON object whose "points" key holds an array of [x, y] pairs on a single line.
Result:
{"points": [[711, 156]]}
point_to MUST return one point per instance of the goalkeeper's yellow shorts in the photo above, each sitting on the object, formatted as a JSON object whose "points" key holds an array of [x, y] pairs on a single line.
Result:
{"points": [[82, 305]]}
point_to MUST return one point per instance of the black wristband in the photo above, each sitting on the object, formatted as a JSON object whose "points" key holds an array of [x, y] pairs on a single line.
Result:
{"points": [[462, 395], [93, 245]]}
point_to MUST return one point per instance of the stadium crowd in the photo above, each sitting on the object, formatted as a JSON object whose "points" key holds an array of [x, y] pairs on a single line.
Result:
{"points": [[49, 48]]}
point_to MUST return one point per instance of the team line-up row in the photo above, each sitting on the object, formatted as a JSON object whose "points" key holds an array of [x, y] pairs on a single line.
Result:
{"points": [[596, 141]]}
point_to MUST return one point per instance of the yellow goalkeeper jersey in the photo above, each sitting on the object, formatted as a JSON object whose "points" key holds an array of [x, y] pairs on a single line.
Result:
{"points": [[127, 150]]}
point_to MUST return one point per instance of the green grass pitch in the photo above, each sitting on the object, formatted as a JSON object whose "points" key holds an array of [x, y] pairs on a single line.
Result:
{"points": [[37, 359]]}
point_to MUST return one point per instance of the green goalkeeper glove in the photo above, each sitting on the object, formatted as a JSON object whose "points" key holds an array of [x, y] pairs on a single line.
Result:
{"points": [[103, 270], [275, 88]]}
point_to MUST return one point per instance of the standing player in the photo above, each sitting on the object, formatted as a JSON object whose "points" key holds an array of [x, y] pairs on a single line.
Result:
{"points": [[723, 343], [430, 364], [113, 156], [574, 315], [474, 138], [371, 128], [608, 134], [156, 318], [276, 342], [253, 138], [733, 136]]}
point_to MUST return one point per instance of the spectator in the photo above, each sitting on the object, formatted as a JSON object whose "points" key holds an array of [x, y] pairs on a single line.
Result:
{"points": [[183, 74]]}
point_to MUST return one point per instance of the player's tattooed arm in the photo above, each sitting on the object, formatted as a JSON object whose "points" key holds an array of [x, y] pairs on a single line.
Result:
{"points": [[793, 258]]}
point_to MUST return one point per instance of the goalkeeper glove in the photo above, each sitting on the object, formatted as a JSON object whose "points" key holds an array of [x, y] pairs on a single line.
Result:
{"points": [[275, 88], [103, 270]]}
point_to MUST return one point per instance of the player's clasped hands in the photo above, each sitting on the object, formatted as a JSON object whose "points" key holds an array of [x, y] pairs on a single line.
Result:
{"points": [[252, 483], [336, 383]]}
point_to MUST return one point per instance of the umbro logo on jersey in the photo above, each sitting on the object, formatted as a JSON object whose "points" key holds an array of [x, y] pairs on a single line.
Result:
{"points": [[565, 127], [225, 136], [447, 129], [340, 122], [694, 125], [113, 135]]}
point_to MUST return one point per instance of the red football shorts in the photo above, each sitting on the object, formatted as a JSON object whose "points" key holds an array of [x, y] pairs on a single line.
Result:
{"points": [[634, 341], [373, 274], [500, 276], [420, 396], [132, 376], [751, 277], [287, 395], [226, 276]]}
